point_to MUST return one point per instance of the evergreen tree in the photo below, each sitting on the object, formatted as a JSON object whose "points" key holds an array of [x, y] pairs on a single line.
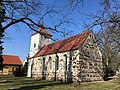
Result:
{"points": [[2, 15]]}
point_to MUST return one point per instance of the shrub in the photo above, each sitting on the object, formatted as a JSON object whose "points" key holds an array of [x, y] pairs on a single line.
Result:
{"points": [[18, 72]]}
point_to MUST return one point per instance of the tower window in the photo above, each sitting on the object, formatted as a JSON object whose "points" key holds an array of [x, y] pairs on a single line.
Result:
{"points": [[34, 45]]}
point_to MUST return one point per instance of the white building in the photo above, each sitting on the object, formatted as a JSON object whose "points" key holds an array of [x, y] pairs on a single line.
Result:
{"points": [[76, 59]]}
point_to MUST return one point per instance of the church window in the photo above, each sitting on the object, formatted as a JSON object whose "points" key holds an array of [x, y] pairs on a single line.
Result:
{"points": [[43, 64], [57, 63], [50, 63], [65, 62], [44, 68]]}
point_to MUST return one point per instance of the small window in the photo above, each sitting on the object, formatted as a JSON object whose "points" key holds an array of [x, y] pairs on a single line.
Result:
{"points": [[34, 45]]}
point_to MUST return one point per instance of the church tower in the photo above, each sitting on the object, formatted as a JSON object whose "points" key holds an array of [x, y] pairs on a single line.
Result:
{"points": [[38, 40]]}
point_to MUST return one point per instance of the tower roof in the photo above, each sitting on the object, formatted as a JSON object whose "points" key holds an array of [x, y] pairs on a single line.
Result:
{"points": [[42, 30]]}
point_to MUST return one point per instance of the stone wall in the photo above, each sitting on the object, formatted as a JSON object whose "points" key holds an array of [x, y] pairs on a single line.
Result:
{"points": [[89, 65], [63, 72]]}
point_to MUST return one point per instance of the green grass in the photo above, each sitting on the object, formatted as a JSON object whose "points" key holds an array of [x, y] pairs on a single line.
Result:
{"points": [[23, 83]]}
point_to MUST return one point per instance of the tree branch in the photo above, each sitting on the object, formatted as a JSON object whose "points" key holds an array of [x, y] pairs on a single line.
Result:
{"points": [[14, 21]]}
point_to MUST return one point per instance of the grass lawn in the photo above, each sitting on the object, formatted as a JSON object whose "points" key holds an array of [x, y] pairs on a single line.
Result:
{"points": [[23, 83]]}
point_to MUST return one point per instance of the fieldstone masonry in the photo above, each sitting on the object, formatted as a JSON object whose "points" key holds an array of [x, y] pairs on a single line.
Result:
{"points": [[89, 65]]}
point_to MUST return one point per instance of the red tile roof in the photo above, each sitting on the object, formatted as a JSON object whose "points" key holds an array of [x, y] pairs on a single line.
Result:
{"points": [[42, 30], [69, 44], [11, 60]]}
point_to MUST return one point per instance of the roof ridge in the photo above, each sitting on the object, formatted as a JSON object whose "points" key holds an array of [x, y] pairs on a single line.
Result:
{"points": [[71, 43], [70, 37]]}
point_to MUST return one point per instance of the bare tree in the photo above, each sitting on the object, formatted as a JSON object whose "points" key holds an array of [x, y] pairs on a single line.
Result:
{"points": [[108, 14], [109, 42], [107, 21], [22, 11]]}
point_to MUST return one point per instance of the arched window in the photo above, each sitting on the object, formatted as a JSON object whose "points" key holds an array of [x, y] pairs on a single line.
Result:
{"points": [[57, 63], [65, 62], [66, 67], [50, 63], [43, 69], [43, 64]]}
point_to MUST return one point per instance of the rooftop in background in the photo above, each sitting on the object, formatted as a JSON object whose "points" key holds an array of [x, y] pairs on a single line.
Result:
{"points": [[11, 60], [42, 30], [68, 44]]}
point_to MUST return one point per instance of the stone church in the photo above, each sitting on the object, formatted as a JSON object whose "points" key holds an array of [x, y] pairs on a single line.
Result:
{"points": [[77, 58]]}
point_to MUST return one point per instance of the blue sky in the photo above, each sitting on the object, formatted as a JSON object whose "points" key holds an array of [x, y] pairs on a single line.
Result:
{"points": [[17, 39]]}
